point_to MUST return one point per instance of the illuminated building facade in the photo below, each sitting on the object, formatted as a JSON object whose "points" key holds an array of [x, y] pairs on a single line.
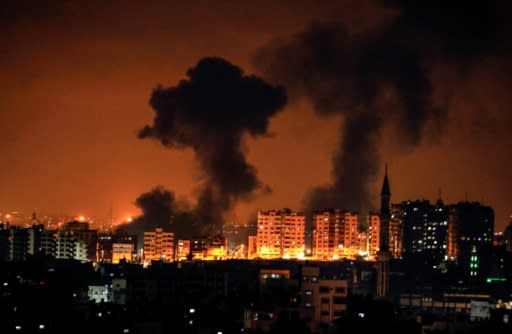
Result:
{"points": [[80, 230], [123, 251], [336, 234], [101, 293], [182, 249], [209, 248], [252, 247], [68, 247], [49, 242], [281, 234], [61, 245], [217, 248], [158, 245], [106, 243], [396, 231], [373, 243]]}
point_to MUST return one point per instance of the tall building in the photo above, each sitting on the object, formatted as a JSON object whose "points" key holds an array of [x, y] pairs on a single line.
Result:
{"points": [[252, 247], [24, 242], [158, 245], [373, 242], [351, 234], [182, 249], [414, 220], [280, 234], [4, 244], [105, 242], [471, 230], [80, 230], [322, 299], [328, 234], [436, 233], [507, 236], [424, 229], [67, 246], [384, 255], [336, 234], [396, 231]]}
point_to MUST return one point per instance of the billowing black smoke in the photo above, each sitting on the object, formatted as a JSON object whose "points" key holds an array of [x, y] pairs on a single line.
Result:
{"points": [[160, 208], [373, 79], [211, 112]]}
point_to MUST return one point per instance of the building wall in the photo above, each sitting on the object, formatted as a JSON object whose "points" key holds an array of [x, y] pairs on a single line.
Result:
{"points": [[424, 228], [507, 237], [209, 248], [328, 234], [336, 235], [90, 238], [18, 246], [436, 233], [351, 232], [182, 249], [281, 234], [252, 247], [324, 298], [49, 242], [80, 250], [64, 246], [122, 251], [105, 242], [373, 234], [158, 245], [471, 232], [100, 293], [396, 231]]}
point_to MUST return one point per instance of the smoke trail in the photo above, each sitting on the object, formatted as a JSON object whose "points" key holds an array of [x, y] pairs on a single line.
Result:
{"points": [[347, 76], [211, 112], [373, 79]]}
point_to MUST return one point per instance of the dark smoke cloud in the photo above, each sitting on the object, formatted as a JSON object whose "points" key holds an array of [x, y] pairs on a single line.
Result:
{"points": [[376, 78], [160, 208], [211, 112], [463, 31]]}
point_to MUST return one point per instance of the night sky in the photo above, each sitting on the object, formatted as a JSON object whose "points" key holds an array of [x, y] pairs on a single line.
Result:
{"points": [[347, 87]]}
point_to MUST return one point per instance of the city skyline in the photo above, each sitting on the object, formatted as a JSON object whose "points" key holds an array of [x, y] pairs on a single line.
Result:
{"points": [[78, 78]]}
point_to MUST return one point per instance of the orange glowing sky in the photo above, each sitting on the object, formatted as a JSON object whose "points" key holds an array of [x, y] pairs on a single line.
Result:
{"points": [[75, 84]]}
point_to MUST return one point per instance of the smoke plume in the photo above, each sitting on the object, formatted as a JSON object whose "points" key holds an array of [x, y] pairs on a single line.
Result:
{"points": [[161, 209], [211, 112], [375, 79]]}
